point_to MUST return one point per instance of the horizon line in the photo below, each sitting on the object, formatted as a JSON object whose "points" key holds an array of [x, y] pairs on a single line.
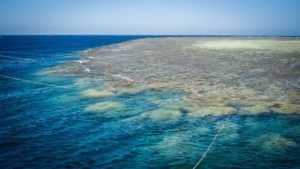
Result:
{"points": [[182, 35]]}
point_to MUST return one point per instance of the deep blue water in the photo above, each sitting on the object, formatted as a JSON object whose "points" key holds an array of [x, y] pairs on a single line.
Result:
{"points": [[47, 127]]}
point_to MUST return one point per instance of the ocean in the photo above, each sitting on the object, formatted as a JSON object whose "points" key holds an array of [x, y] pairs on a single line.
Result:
{"points": [[46, 122]]}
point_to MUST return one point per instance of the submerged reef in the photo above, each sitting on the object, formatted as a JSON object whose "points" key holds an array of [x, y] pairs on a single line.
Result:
{"points": [[162, 114], [272, 143], [105, 106], [220, 76]]}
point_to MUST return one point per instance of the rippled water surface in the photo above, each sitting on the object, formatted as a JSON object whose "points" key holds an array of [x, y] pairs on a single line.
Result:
{"points": [[68, 121]]}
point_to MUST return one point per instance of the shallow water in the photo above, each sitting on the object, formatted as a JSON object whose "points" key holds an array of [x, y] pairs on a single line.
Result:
{"points": [[127, 127]]}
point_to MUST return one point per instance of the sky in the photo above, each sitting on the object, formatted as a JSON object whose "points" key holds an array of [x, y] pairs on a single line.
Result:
{"points": [[150, 17]]}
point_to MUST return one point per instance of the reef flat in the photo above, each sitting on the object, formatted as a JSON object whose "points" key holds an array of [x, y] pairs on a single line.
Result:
{"points": [[219, 76]]}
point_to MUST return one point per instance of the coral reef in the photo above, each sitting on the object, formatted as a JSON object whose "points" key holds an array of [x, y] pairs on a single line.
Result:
{"points": [[105, 106], [219, 75], [273, 143], [162, 114]]}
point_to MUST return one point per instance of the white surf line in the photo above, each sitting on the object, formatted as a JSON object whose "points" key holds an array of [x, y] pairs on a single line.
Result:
{"points": [[87, 69], [34, 82], [11, 61], [18, 58], [26, 53], [206, 151], [122, 77], [36, 53], [81, 62]]}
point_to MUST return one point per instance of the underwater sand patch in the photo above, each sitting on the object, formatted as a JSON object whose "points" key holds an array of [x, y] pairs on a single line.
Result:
{"points": [[112, 89], [87, 81], [105, 107], [162, 114], [94, 93]]}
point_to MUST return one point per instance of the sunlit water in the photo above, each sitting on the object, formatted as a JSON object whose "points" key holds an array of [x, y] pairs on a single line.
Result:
{"points": [[50, 127]]}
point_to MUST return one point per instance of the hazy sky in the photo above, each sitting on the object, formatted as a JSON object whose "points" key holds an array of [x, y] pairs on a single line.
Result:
{"points": [[185, 17]]}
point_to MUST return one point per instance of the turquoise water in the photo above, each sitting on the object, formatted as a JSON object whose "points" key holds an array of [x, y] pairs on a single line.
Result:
{"points": [[47, 127]]}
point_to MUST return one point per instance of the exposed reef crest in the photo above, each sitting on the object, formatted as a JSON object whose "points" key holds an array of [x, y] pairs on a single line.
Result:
{"points": [[221, 76]]}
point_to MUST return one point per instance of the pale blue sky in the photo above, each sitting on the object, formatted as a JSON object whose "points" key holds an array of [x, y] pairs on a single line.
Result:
{"points": [[181, 17]]}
